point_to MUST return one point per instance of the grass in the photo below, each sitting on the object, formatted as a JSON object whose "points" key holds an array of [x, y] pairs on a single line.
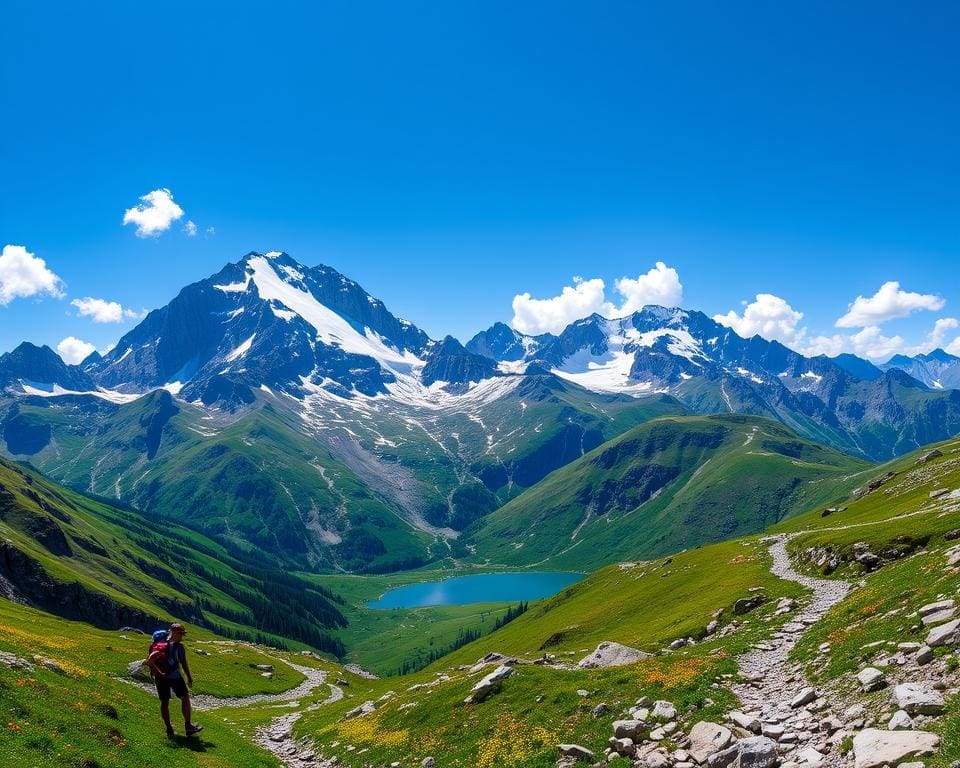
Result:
{"points": [[673, 482], [88, 719]]}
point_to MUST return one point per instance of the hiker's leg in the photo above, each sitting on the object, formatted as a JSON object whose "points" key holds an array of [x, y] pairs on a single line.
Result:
{"points": [[165, 712], [185, 708]]}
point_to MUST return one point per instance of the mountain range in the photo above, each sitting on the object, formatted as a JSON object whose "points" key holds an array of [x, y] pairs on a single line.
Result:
{"points": [[284, 409]]}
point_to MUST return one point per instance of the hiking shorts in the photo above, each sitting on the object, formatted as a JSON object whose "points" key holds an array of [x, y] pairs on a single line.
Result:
{"points": [[165, 685]]}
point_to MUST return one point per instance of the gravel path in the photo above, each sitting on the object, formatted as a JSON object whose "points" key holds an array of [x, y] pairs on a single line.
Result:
{"points": [[277, 737], [771, 682]]}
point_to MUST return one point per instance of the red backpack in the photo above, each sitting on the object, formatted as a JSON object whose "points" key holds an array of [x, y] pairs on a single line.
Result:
{"points": [[161, 643]]}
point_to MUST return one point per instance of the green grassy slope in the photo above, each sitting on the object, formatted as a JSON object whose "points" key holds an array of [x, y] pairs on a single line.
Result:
{"points": [[671, 483], [85, 559]]}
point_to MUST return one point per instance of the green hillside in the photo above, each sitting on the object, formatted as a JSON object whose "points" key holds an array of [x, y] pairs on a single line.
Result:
{"points": [[668, 484], [84, 559]]}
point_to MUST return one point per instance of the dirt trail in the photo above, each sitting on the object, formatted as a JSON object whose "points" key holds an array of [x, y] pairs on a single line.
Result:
{"points": [[277, 737], [771, 679]]}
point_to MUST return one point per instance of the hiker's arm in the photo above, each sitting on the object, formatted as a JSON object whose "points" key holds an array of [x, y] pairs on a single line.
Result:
{"points": [[186, 667], [152, 660]]}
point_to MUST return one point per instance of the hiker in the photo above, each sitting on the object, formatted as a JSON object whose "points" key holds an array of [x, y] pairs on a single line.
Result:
{"points": [[167, 657]]}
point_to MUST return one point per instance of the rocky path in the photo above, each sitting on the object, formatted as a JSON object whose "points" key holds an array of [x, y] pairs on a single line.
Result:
{"points": [[277, 737], [775, 691]]}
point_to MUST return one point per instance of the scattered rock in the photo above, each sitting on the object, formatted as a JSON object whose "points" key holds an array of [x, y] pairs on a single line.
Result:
{"points": [[609, 654], [936, 453], [874, 748], [918, 699], [139, 670], [364, 709], [428, 762], [924, 655], [945, 634], [18, 662], [804, 697], [747, 722], [575, 751], [628, 729], [871, 679], [707, 738], [747, 604], [753, 752], [663, 711], [488, 685], [900, 721], [939, 605], [599, 710], [931, 619]]}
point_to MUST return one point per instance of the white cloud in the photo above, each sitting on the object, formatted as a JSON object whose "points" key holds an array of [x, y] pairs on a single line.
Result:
{"points": [[210, 231], [886, 304], [661, 285], [768, 316], [190, 228], [941, 330], [74, 350], [868, 342], [535, 316], [22, 274], [155, 214], [103, 311]]}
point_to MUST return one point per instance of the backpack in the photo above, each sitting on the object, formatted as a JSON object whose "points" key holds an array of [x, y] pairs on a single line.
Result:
{"points": [[160, 642]]}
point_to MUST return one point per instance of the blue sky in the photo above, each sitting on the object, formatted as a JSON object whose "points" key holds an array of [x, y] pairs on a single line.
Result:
{"points": [[450, 156]]}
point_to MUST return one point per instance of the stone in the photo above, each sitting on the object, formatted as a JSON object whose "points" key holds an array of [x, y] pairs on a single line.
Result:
{"points": [[707, 738], [772, 731], [804, 697], [139, 670], [583, 693], [871, 679], [622, 746], [575, 751], [655, 759], [918, 699], [364, 709], [924, 655], [830, 724], [263, 667], [854, 712], [936, 607], [428, 762], [753, 752], [658, 734], [629, 729], [489, 685], [747, 604], [811, 757], [747, 722], [677, 644], [609, 654], [932, 619], [600, 709], [945, 634], [663, 711], [13, 661], [900, 721], [712, 626], [873, 748], [908, 647]]}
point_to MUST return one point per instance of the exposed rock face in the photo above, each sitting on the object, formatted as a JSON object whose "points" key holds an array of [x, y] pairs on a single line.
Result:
{"points": [[874, 748], [609, 654]]}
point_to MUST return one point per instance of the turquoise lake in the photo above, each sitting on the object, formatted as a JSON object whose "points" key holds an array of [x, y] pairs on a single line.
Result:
{"points": [[481, 588]]}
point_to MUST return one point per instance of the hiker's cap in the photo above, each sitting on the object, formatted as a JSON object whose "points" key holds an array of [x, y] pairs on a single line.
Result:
{"points": [[175, 627]]}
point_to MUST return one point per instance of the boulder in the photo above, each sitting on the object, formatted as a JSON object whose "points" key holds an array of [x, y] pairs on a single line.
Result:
{"points": [[663, 711], [707, 738], [873, 748], [871, 679], [900, 721], [364, 709], [804, 697], [918, 699], [139, 670], [609, 654], [747, 604], [945, 634], [939, 617], [488, 685], [939, 605], [655, 759], [924, 655], [575, 751], [629, 729], [753, 752], [747, 722]]}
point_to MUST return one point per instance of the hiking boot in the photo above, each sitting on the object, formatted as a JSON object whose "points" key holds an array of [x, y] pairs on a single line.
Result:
{"points": [[192, 729], [170, 733]]}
